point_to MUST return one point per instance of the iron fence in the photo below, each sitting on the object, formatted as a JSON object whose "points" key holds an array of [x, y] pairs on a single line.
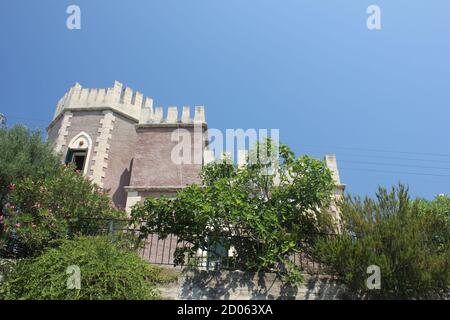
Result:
{"points": [[162, 250]]}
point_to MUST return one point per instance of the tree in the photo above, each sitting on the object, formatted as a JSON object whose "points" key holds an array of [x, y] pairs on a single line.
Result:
{"points": [[261, 212], [23, 154], [409, 240]]}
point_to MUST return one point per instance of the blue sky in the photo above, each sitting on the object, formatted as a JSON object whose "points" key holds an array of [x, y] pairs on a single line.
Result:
{"points": [[379, 100]]}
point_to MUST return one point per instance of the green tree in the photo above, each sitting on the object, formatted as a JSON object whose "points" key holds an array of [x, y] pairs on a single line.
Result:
{"points": [[23, 154], [261, 211], [409, 240]]}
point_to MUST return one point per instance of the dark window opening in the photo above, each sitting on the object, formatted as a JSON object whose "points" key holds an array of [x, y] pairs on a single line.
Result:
{"points": [[78, 158]]}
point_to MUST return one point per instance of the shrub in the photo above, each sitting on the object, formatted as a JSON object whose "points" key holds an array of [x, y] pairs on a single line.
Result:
{"points": [[42, 210], [107, 271], [408, 240]]}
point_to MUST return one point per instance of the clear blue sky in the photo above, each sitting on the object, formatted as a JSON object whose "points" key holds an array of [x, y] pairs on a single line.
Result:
{"points": [[379, 100]]}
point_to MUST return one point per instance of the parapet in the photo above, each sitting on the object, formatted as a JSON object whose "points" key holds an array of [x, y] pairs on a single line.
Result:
{"points": [[156, 116], [125, 101]]}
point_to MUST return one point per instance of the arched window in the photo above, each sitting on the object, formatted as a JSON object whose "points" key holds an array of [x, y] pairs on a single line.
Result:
{"points": [[79, 151]]}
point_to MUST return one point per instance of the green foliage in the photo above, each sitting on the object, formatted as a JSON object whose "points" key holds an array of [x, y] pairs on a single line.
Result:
{"points": [[107, 272], [23, 154], [408, 239], [261, 216], [42, 210]]}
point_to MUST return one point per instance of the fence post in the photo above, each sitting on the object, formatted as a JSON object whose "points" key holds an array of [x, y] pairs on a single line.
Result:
{"points": [[111, 227]]}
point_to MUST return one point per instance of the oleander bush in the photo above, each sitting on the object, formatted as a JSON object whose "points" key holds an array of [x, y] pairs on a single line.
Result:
{"points": [[107, 271], [41, 200]]}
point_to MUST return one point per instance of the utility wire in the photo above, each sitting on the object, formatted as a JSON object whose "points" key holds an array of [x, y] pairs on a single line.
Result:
{"points": [[393, 164], [397, 172]]}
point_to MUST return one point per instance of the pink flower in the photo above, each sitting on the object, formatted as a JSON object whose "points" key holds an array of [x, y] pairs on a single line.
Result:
{"points": [[12, 186], [18, 225], [37, 205]]}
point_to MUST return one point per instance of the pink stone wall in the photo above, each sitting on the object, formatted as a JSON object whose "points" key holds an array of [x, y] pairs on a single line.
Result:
{"points": [[120, 159], [153, 165]]}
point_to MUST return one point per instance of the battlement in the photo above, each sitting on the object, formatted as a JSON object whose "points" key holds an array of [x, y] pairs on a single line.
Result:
{"points": [[125, 101], [156, 116]]}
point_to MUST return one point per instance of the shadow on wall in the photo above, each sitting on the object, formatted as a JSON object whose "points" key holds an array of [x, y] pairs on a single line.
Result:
{"points": [[119, 197], [198, 284]]}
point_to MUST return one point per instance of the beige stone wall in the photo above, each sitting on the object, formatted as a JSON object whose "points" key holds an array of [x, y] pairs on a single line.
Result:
{"points": [[195, 284], [53, 131]]}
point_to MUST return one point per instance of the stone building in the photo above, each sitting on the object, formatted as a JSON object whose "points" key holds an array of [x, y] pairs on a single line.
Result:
{"points": [[122, 143]]}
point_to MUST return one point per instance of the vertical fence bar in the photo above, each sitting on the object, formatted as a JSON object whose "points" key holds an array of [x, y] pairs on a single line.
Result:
{"points": [[170, 249], [150, 249], [157, 248], [163, 249], [111, 227]]}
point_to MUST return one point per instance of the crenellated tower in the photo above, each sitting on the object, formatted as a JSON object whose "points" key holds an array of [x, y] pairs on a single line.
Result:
{"points": [[122, 143]]}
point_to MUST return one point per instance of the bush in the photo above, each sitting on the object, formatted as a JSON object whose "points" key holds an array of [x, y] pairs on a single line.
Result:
{"points": [[408, 240], [107, 272], [42, 210]]}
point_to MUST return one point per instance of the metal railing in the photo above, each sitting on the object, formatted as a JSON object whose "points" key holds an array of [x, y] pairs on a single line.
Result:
{"points": [[161, 251]]}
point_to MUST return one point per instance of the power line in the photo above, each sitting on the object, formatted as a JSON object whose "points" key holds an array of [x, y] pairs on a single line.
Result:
{"points": [[394, 164], [396, 172], [29, 119], [381, 150], [385, 157]]}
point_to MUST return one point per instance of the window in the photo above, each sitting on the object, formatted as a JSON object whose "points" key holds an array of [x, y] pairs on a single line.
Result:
{"points": [[78, 158]]}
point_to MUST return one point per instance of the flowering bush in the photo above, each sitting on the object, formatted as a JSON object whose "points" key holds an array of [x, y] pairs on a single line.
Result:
{"points": [[41, 210]]}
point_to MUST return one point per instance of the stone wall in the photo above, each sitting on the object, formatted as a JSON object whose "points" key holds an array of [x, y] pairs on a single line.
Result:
{"points": [[120, 159], [195, 284], [154, 166]]}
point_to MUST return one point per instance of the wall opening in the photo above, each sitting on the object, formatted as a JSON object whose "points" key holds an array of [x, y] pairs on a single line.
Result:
{"points": [[78, 158]]}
